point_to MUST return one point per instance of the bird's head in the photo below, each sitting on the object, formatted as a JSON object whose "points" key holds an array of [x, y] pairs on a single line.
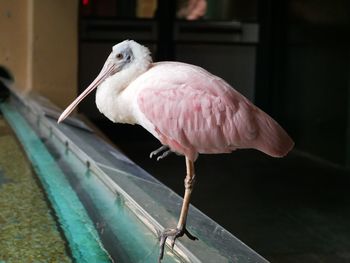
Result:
{"points": [[125, 55]]}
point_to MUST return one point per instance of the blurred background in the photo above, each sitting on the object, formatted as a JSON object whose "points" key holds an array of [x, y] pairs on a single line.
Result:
{"points": [[291, 58]]}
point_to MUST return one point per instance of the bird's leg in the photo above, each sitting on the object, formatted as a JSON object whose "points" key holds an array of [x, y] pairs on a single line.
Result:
{"points": [[180, 230], [166, 152]]}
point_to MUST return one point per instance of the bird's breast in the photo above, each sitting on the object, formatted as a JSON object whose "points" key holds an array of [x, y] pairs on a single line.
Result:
{"points": [[113, 104]]}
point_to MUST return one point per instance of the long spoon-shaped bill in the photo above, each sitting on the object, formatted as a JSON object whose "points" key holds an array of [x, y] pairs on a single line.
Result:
{"points": [[106, 71]]}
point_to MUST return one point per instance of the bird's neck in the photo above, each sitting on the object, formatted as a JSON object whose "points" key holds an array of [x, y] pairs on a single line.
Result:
{"points": [[110, 95]]}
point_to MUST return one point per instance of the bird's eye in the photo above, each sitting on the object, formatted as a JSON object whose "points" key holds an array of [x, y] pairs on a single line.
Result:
{"points": [[119, 56]]}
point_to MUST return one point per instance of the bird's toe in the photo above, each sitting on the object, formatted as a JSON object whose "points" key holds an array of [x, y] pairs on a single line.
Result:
{"points": [[172, 234]]}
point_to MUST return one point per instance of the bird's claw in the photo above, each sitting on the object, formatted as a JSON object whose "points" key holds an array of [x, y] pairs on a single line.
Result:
{"points": [[166, 152], [172, 234]]}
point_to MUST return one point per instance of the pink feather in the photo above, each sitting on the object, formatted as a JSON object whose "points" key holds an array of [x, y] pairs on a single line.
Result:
{"points": [[196, 112]]}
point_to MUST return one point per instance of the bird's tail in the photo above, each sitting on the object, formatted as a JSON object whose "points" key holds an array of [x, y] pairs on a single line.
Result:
{"points": [[273, 139]]}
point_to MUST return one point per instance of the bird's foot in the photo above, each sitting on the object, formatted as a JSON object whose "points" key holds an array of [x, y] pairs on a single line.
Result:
{"points": [[172, 234], [166, 152]]}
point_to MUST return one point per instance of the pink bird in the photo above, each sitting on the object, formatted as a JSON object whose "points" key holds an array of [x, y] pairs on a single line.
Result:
{"points": [[189, 110]]}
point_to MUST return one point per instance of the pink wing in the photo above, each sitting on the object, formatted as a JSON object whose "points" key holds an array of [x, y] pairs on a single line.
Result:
{"points": [[195, 112]]}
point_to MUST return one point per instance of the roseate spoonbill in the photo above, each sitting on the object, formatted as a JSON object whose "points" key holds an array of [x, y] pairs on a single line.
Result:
{"points": [[188, 109]]}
